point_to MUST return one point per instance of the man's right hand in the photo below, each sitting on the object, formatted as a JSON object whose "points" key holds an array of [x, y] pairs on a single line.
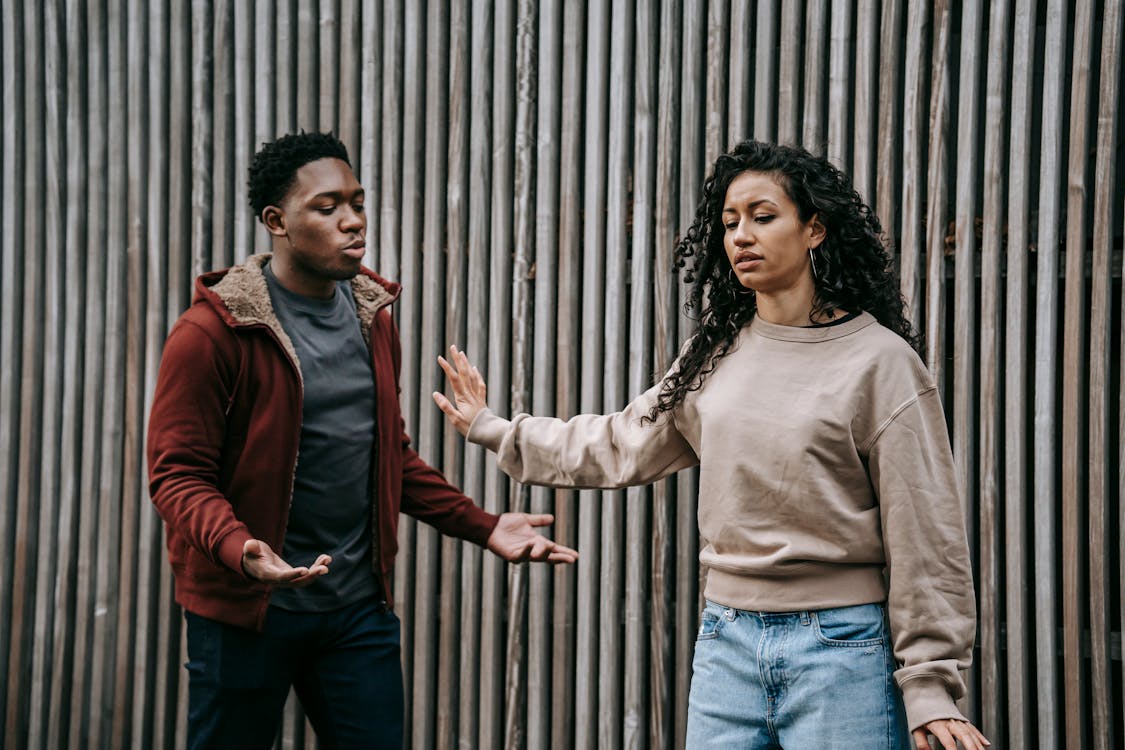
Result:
{"points": [[261, 563]]}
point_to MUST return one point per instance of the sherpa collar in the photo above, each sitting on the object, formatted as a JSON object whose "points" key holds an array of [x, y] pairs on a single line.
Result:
{"points": [[241, 296]]}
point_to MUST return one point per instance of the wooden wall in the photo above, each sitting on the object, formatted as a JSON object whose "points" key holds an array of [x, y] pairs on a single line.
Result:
{"points": [[529, 166]]}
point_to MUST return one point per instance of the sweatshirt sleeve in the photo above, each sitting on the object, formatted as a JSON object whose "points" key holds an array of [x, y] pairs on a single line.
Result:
{"points": [[186, 429], [931, 603], [588, 451]]}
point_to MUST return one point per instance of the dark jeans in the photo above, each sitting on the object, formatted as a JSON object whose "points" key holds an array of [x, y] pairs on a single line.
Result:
{"points": [[344, 666]]}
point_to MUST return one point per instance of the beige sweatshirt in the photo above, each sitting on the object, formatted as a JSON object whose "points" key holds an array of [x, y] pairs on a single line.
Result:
{"points": [[824, 458]]}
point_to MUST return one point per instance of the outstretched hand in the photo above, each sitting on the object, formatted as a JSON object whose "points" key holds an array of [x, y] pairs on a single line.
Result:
{"points": [[516, 540], [261, 563], [949, 732], [468, 391]]}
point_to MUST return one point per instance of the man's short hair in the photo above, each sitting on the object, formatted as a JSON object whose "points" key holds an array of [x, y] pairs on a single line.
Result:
{"points": [[274, 168]]}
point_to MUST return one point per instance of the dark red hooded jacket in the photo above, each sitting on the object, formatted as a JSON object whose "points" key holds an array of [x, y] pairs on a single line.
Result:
{"points": [[223, 437]]}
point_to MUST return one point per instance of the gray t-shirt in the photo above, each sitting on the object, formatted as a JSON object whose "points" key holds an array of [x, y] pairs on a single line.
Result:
{"points": [[331, 510]]}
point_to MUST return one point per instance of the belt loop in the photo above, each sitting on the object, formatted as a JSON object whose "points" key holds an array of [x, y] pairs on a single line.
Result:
{"points": [[805, 617]]}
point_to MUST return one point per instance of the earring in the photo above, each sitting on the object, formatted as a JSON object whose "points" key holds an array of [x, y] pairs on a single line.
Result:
{"points": [[812, 262]]}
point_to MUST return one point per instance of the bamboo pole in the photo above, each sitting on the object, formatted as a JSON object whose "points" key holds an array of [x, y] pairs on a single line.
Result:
{"points": [[765, 72], [738, 31], [541, 363], [911, 233], [306, 89], [1102, 698], [242, 136], [691, 161], [588, 695], [615, 380], [108, 568], [498, 365], [147, 701], [1046, 361], [40, 652], [285, 67], [169, 718], [869, 107], [567, 358], [456, 318], [965, 313], [350, 104], [264, 104], [1075, 540], [1016, 530], [326, 73], [221, 172], [840, 89], [523, 259], [369, 154], [71, 449], [813, 65], [408, 311], [789, 65], [11, 241], [638, 706], [888, 155], [718, 49], [29, 365], [471, 709], [133, 497], [936, 206], [991, 364], [662, 676], [95, 337], [431, 288]]}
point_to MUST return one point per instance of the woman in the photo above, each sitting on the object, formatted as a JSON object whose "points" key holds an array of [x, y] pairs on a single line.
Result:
{"points": [[824, 459]]}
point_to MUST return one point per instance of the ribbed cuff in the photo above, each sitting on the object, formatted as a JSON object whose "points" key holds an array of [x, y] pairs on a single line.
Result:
{"points": [[488, 430], [927, 699], [230, 549]]}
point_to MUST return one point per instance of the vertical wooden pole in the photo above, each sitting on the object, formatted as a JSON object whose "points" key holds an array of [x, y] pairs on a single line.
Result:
{"points": [[992, 690], [588, 694], [1016, 529], [473, 660], [1101, 468], [567, 358], [1046, 362]]}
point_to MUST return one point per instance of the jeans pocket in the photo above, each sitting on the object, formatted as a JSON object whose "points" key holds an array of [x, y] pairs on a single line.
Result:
{"points": [[710, 623], [850, 627]]}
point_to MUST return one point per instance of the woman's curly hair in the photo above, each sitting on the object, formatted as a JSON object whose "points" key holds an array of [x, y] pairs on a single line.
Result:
{"points": [[853, 267], [274, 168]]}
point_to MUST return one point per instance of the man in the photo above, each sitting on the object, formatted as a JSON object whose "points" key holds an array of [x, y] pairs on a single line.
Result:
{"points": [[284, 564]]}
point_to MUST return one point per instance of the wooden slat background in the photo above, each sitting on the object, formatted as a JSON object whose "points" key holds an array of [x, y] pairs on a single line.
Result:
{"points": [[529, 166]]}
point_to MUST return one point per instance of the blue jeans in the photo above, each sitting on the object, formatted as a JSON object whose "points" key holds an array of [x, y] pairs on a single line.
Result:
{"points": [[793, 680], [344, 666]]}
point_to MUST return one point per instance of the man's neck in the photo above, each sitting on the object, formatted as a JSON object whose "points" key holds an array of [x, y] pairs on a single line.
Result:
{"points": [[293, 279]]}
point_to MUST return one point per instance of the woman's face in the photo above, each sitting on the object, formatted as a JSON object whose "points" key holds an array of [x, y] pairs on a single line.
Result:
{"points": [[765, 240]]}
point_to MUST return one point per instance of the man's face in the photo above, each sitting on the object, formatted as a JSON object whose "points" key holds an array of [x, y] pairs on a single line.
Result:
{"points": [[319, 227]]}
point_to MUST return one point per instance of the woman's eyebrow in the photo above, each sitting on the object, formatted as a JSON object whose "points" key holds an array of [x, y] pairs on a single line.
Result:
{"points": [[750, 206]]}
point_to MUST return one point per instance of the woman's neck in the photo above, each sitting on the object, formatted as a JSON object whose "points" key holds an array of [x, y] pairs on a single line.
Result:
{"points": [[792, 308]]}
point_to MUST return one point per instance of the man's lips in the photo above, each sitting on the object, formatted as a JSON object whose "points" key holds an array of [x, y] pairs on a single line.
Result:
{"points": [[356, 249]]}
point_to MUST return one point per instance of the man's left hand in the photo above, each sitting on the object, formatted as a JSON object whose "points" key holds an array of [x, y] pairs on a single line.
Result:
{"points": [[516, 540]]}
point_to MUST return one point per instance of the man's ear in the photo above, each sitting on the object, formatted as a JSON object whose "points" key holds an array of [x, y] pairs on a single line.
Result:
{"points": [[817, 231], [274, 220]]}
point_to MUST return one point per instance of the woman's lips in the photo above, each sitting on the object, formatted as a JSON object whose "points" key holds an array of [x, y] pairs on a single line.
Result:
{"points": [[747, 261]]}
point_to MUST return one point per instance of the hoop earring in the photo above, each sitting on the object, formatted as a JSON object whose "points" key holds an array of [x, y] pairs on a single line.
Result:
{"points": [[812, 262]]}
